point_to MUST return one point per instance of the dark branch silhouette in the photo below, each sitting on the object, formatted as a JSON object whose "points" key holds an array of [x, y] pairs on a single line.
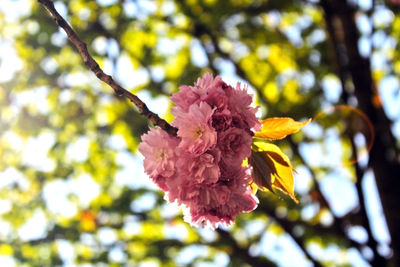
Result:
{"points": [[95, 68], [384, 166]]}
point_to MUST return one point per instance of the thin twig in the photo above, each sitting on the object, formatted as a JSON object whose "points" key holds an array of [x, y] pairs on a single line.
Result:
{"points": [[95, 68]]}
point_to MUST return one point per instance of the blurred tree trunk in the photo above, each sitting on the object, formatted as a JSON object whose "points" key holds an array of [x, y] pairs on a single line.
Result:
{"points": [[383, 157]]}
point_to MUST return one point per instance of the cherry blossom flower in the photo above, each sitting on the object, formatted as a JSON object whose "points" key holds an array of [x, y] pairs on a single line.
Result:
{"points": [[194, 127], [201, 169], [235, 145], [239, 103], [158, 147]]}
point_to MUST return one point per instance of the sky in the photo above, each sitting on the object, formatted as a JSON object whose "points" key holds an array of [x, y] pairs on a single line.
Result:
{"points": [[35, 149]]}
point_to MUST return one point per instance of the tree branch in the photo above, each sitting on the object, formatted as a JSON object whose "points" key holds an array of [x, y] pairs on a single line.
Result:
{"points": [[95, 68], [384, 152]]}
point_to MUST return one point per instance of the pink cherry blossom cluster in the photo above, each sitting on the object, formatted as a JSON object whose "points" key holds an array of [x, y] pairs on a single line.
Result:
{"points": [[201, 169]]}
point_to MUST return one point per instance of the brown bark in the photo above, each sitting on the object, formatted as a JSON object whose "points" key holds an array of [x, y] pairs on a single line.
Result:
{"points": [[383, 155], [95, 68]]}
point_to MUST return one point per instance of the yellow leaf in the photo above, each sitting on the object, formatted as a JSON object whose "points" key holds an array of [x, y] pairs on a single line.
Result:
{"points": [[271, 167], [278, 128], [88, 221], [6, 249]]}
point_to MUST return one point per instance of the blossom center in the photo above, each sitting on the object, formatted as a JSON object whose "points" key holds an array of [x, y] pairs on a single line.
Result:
{"points": [[161, 156], [198, 132]]}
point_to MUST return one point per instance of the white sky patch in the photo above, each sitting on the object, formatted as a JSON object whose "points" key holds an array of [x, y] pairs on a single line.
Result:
{"points": [[168, 7], [332, 88], [10, 63], [106, 2], [59, 38], [309, 211], [358, 233], [128, 76], [157, 73], [113, 48], [207, 234], [106, 235], [364, 24], [61, 8], [146, 6], [169, 210], [303, 180], [88, 239], [130, 9], [168, 46], [396, 129], [66, 251], [378, 39], [331, 253], [355, 259], [117, 142], [390, 95], [78, 150], [49, 65], [227, 71], [374, 209], [328, 154], [8, 261], [117, 255], [282, 250], [132, 172], [36, 149], [34, 228], [15, 9], [149, 262], [85, 188], [144, 203], [312, 153], [65, 96], [197, 54], [10, 176], [294, 34], [317, 36], [364, 46], [307, 80], [5, 230], [80, 78], [382, 17], [379, 61], [131, 226], [344, 200], [365, 4], [255, 227], [100, 45], [36, 97], [189, 253], [175, 231], [157, 105], [55, 194], [5, 206]]}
